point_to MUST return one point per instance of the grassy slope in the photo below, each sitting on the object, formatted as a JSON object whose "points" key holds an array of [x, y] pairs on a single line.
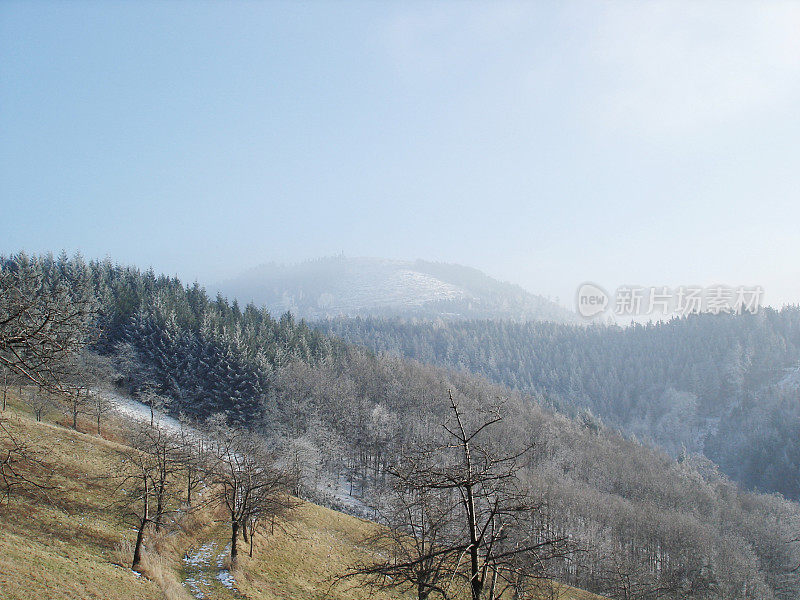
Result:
{"points": [[64, 545], [71, 543]]}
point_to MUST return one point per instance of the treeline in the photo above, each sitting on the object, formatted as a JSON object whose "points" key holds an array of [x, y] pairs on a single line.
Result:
{"points": [[720, 385], [643, 525]]}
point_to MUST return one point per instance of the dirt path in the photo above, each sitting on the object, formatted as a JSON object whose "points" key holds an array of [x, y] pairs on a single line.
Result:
{"points": [[204, 572]]}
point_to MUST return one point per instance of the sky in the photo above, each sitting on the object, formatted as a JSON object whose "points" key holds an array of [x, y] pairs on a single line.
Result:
{"points": [[545, 143]]}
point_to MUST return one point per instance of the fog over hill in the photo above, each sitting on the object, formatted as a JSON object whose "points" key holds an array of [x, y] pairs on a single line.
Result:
{"points": [[340, 286]]}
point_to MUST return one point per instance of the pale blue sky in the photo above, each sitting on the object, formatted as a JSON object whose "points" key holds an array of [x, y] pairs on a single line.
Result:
{"points": [[544, 143]]}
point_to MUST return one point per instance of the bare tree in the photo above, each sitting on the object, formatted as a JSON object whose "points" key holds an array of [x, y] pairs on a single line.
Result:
{"points": [[192, 458], [462, 499], [273, 505], [155, 402], [101, 406], [83, 375], [39, 401], [146, 482], [137, 485], [249, 481], [77, 402], [42, 322], [416, 546], [22, 465], [97, 372]]}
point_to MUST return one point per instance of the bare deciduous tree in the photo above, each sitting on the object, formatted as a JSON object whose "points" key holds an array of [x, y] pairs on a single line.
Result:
{"points": [[97, 373], [84, 374], [155, 402], [101, 406], [192, 458], [461, 502], [147, 482], [248, 478], [39, 401], [22, 465], [417, 543], [42, 322]]}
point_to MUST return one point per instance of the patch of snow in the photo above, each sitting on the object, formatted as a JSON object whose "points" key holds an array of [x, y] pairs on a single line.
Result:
{"points": [[227, 579], [200, 565], [197, 581], [194, 587], [221, 556], [138, 411], [335, 494], [202, 557]]}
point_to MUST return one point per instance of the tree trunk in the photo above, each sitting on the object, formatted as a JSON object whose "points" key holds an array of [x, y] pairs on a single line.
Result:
{"points": [[137, 551], [234, 540], [159, 511], [244, 531], [476, 584], [161, 495], [422, 591]]}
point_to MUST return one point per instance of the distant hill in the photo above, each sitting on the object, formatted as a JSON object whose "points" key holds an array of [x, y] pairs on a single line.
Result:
{"points": [[339, 286]]}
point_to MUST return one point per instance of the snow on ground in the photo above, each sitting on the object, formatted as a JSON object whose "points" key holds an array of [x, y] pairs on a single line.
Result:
{"points": [[196, 564], [201, 558], [195, 587], [221, 556], [335, 494], [203, 566], [226, 579], [138, 411]]}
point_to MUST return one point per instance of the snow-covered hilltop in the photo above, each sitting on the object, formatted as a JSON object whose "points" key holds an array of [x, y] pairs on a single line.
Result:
{"points": [[332, 287]]}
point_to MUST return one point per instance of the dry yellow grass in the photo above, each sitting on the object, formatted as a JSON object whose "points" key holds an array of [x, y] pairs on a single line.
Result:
{"points": [[64, 544], [319, 545], [304, 558], [72, 544]]}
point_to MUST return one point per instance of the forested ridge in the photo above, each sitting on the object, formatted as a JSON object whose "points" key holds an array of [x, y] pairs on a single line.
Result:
{"points": [[641, 525], [724, 385]]}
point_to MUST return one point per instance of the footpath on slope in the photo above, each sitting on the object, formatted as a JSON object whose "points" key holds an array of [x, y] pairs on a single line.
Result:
{"points": [[204, 573]]}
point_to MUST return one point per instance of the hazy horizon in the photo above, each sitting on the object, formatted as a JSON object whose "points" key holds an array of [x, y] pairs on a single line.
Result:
{"points": [[545, 145]]}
